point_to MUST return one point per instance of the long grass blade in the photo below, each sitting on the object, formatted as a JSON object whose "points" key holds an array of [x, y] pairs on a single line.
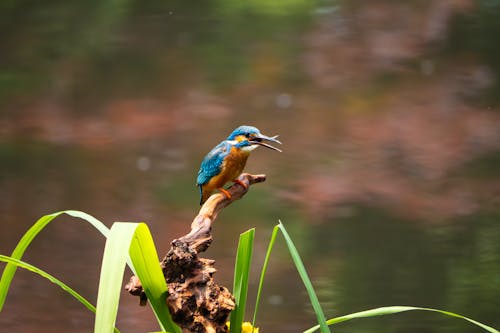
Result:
{"points": [[305, 279], [90, 219], [263, 273], [241, 274], [133, 238], [52, 279], [112, 270], [145, 241], [388, 310], [49, 277], [145, 260], [10, 269]]}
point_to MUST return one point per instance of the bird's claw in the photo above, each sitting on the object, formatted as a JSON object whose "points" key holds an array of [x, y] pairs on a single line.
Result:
{"points": [[226, 193], [243, 184]]}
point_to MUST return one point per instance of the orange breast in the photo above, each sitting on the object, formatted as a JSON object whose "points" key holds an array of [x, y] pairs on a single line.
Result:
{"points": [[235, 163], [232, 167]]}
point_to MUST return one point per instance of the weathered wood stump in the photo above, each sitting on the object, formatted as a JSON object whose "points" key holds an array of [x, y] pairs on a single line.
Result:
{"points": [[197, 303]]}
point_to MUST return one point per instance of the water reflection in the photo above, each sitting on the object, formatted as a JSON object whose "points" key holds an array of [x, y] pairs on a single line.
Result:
{"points": [[388, 181]]}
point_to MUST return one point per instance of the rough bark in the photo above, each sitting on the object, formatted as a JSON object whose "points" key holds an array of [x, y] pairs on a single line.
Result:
{"points": [[197, 303]]}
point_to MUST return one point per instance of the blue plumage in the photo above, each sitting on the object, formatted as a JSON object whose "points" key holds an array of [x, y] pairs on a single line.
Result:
{"points": [[226, 161], [243, 130], [212, 163]]}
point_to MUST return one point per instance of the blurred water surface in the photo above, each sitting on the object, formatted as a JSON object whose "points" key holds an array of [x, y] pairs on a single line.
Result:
{"points": [[389, 182]]}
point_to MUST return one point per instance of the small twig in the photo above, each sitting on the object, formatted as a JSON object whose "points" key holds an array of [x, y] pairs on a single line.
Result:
{"points": [[196, 302]]}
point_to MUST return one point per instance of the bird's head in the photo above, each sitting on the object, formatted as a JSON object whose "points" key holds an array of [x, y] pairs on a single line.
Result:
{"points": [[248, 138]]}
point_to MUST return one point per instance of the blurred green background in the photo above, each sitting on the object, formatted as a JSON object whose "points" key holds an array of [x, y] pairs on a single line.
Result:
{"points": [[389, 182]]}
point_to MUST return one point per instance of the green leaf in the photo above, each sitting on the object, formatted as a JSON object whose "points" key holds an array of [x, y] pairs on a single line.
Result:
{"points": [[143, 246], [305, 279], [133, 237], [241, 274], [145, 260], [112, 270], [10, 268], [49, 277], [387, 310], [263, 272]]}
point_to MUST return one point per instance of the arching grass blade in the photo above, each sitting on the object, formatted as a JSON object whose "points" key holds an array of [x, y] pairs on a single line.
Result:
{"points": [[305, 279], [49, 277], [136, 238], [388, 310], [22, 245], [263, 273], [145, 260]]}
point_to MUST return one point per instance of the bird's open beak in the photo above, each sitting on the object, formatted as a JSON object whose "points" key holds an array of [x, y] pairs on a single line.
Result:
{"points": [[260, 138]]}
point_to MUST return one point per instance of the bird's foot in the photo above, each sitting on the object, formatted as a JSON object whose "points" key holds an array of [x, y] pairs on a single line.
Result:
{"points": [[237, 181], [225, 192]]}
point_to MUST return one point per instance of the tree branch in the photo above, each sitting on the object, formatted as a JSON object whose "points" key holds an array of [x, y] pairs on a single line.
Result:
{"points": [[196, 302]]}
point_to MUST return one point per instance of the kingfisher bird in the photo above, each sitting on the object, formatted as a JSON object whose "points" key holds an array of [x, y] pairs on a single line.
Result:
{"points": [[225, 162]]}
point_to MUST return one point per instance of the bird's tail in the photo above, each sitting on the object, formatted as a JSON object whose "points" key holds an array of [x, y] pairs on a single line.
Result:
{"points": [[203, 195]]}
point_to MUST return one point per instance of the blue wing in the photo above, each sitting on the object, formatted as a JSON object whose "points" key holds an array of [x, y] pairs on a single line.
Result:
{"points": [[212, 163]]}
